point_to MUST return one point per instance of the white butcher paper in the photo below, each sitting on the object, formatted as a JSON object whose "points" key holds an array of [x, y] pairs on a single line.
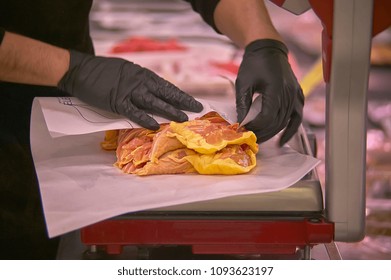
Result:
{"points": [[80, 186]]}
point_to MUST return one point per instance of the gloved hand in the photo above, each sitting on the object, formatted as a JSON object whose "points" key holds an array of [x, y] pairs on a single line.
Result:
{"points": [[120, 86], [265, 69]]}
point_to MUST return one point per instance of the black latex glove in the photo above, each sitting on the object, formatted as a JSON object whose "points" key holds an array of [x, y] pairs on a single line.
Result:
{"points": [[120, 86], [265, 69]]}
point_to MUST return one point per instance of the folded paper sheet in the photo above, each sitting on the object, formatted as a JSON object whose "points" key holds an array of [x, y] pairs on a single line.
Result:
{"points": [[80, 186]]}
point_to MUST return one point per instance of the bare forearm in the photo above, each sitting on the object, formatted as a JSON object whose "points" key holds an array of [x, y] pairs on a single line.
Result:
{"points": [[28, 61], [244, 21]]}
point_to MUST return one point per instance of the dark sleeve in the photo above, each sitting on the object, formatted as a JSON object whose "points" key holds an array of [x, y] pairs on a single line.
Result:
{"points": [[206, 9]]}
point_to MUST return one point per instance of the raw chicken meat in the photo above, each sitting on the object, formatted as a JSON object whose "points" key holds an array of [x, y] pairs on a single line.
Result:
{"points": [[206, 145]]}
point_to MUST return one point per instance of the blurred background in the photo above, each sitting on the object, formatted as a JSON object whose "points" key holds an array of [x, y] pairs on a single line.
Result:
{"points": [[172, 40]]}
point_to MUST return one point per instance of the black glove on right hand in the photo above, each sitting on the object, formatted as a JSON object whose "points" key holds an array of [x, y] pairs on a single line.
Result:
{"points": [[125, 88], [265, 69]]}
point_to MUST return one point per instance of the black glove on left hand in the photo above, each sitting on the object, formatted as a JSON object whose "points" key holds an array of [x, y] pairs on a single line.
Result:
{"points": [[120, 86], [265, 69]]}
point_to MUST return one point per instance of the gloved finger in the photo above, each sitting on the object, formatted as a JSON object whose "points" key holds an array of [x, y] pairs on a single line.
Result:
{"points": [[270, 115], [261, 137], [158, 106], [291, 129], [276, 121], [172, 95], [180, 99], [295, 118], [266, 134], [244, 97], [138, 116]]}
